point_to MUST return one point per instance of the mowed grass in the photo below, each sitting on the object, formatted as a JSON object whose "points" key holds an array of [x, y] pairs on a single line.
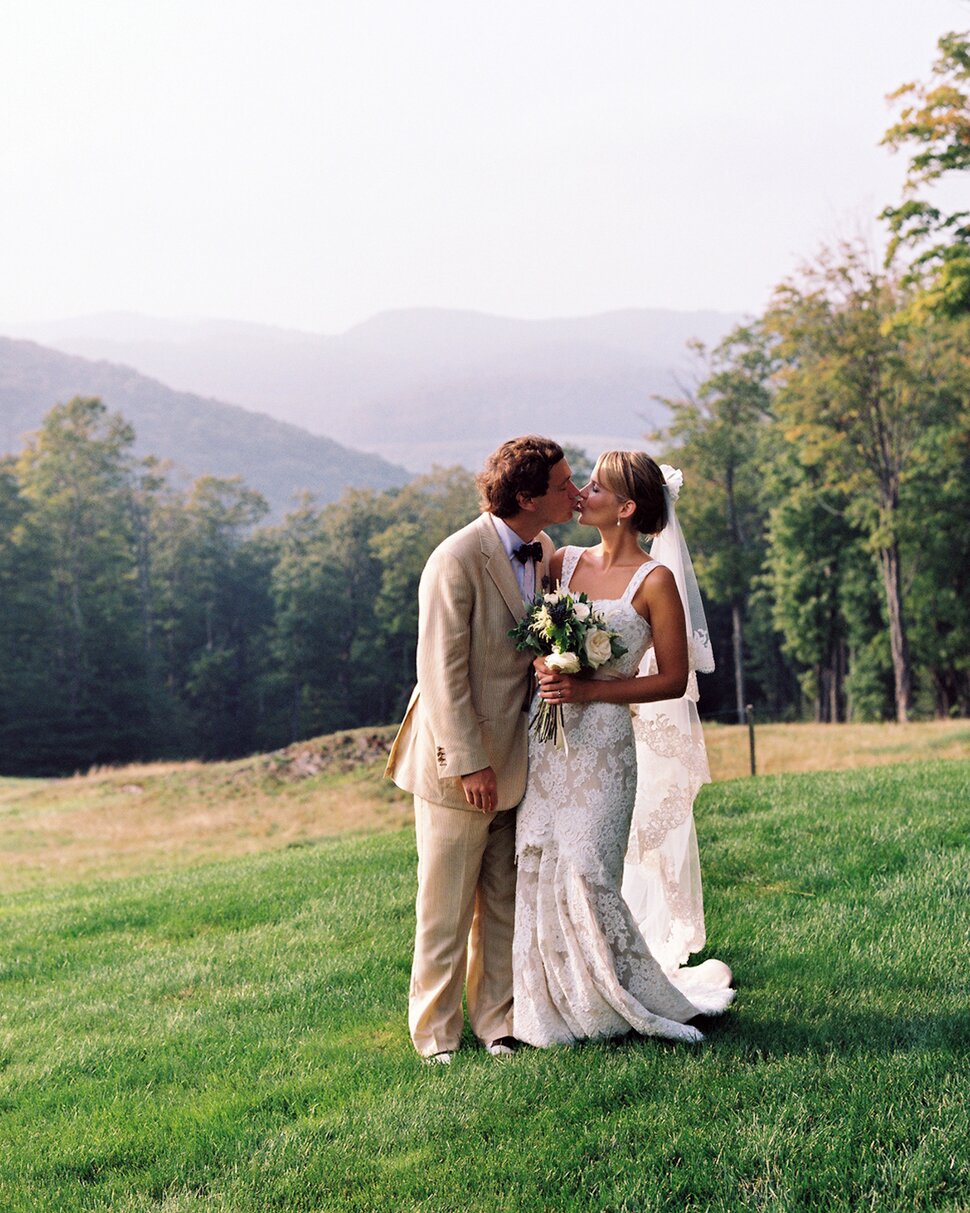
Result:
{"points": [[231, 1035]]}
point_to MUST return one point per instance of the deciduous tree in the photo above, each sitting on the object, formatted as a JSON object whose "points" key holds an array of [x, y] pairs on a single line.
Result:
{"points": [[934, 127], [855, 395], [716, 434]]}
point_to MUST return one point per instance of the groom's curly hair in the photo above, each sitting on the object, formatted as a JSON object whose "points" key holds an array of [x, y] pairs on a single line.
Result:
{"points": [[521, 465]]}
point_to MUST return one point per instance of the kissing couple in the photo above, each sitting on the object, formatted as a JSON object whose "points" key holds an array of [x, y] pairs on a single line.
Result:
{"points": [[558, 886]]}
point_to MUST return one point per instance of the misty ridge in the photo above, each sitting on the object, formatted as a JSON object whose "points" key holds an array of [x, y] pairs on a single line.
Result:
{"points": [[194, 436], [419, 386]]}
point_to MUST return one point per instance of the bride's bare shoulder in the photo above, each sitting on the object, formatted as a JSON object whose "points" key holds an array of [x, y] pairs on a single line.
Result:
{"points": [[657, 591]]}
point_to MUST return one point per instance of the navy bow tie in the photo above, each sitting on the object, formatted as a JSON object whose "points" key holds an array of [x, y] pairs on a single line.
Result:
{"points": [[528, 551]]}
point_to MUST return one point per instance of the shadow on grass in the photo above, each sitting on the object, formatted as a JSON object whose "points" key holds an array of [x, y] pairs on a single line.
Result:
{"points": [[755, 1039], [864, 1033]]}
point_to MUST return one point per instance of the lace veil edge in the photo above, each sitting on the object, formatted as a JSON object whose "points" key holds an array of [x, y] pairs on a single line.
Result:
{"points": [[662, 877]]}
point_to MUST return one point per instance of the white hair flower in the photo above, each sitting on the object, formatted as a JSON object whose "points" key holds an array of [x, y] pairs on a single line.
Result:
{"points": [[673, 479]]}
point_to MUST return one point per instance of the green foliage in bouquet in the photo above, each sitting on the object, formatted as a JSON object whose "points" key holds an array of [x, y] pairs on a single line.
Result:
{"points": [[573, 637]]}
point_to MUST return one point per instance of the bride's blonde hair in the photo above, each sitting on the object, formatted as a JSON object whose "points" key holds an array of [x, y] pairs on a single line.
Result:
{"points": [[633, 476]]}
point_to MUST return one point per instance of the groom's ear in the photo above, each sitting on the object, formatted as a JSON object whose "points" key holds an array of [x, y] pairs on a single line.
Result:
{"points": [[525, 502]]}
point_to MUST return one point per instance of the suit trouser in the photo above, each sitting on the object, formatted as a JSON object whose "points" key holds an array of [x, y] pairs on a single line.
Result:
{"points": [[465, 914]]}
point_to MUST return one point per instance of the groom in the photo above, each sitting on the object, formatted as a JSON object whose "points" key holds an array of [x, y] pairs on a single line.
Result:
{"points": [[463, 746]]}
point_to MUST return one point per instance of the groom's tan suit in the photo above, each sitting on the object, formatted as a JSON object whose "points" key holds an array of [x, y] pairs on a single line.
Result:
{"points": [[468, 711]]}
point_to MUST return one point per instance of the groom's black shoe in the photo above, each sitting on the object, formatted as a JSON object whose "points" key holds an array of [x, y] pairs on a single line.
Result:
{"points": [[505, 1046]]}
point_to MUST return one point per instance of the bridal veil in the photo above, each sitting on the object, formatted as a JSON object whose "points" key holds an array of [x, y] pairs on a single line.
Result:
{"points": [[662, 876]]}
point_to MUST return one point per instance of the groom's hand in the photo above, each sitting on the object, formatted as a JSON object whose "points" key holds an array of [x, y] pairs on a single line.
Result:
{"points": [[481, 789]]}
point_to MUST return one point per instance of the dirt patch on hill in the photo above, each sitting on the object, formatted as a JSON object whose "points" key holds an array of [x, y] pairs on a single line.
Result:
{"points": [[334, 754]]}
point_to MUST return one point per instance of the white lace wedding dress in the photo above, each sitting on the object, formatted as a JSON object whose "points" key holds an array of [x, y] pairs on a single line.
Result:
{"points": [[581, 967]]}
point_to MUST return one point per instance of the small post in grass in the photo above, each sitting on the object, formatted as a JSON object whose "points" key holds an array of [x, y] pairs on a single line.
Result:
{"points": [[749, 715]]}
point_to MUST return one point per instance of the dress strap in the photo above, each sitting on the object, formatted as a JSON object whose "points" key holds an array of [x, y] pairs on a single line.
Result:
{"points": [[637, 579], [570, 559]]}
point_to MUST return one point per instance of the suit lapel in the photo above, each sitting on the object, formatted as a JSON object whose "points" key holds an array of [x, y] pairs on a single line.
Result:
{"points": [[499, 568], [542, 568]]}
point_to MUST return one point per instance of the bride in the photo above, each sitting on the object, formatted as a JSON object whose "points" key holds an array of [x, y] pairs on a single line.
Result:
{"points": [[582, 967]]}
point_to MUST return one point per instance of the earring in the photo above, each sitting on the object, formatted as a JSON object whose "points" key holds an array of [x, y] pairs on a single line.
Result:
{"points": [[619, 522]]}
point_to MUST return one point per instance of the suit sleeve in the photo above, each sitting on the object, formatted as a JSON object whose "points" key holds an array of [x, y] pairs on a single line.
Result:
{"points": [[446, 598]]}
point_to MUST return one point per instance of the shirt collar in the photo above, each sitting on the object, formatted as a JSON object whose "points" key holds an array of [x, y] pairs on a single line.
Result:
{"points": [[510, 541]]}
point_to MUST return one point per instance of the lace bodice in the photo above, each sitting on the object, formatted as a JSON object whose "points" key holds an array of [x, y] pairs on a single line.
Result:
{"points": [[621, 615]]}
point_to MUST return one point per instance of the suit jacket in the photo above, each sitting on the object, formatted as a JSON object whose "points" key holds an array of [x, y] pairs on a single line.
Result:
{"points": [[469, 709]]}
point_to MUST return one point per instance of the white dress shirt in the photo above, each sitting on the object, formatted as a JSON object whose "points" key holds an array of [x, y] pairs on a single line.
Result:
{"points": [[525, 574]]}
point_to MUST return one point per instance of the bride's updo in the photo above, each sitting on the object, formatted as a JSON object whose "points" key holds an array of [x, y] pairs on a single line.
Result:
{"points": [[633, 476]]}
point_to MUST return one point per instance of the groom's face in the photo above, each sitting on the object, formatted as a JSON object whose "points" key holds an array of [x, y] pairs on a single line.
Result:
{"points": [[560, 499]]}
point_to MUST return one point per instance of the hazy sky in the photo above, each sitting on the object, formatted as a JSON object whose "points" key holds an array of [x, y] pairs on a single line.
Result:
{"points": [[310, 162]]}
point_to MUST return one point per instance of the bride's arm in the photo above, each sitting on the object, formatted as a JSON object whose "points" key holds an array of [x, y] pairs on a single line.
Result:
{"points": [[658, 601]]}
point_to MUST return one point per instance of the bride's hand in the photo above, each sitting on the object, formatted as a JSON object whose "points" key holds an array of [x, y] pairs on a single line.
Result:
{"points": [[540, 667], [555, 687]]}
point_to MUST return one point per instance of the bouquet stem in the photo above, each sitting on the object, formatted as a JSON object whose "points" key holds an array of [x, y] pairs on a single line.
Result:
{"points": [[547, 724]]}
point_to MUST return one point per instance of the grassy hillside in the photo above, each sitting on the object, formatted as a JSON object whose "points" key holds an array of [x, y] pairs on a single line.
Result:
{"points": [[135, 819], [782, 748], [203, 983], [231, 1036]]}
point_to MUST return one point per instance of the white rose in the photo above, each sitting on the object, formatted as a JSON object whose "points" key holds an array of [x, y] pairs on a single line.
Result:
{"points": [[581, 611], [598, 648], [552, 599], [567, 663]]}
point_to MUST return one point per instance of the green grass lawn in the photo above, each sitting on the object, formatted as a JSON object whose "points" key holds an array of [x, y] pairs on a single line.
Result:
{"points": [[232, 1036]]}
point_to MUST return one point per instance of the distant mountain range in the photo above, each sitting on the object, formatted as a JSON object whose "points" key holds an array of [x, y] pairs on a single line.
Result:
{"points": [[199, 436], [422, 385]]}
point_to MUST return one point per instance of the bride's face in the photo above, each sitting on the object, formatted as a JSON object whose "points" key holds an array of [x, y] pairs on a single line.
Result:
{"points": [[597, 505]]}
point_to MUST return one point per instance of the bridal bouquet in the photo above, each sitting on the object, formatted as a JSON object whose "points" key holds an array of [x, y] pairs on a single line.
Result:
{"points": [[570, 635]]}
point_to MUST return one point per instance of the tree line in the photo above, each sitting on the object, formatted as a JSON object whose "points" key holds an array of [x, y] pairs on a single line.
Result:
{"points": [[826, 449], [142, 620], [830, 439]]}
